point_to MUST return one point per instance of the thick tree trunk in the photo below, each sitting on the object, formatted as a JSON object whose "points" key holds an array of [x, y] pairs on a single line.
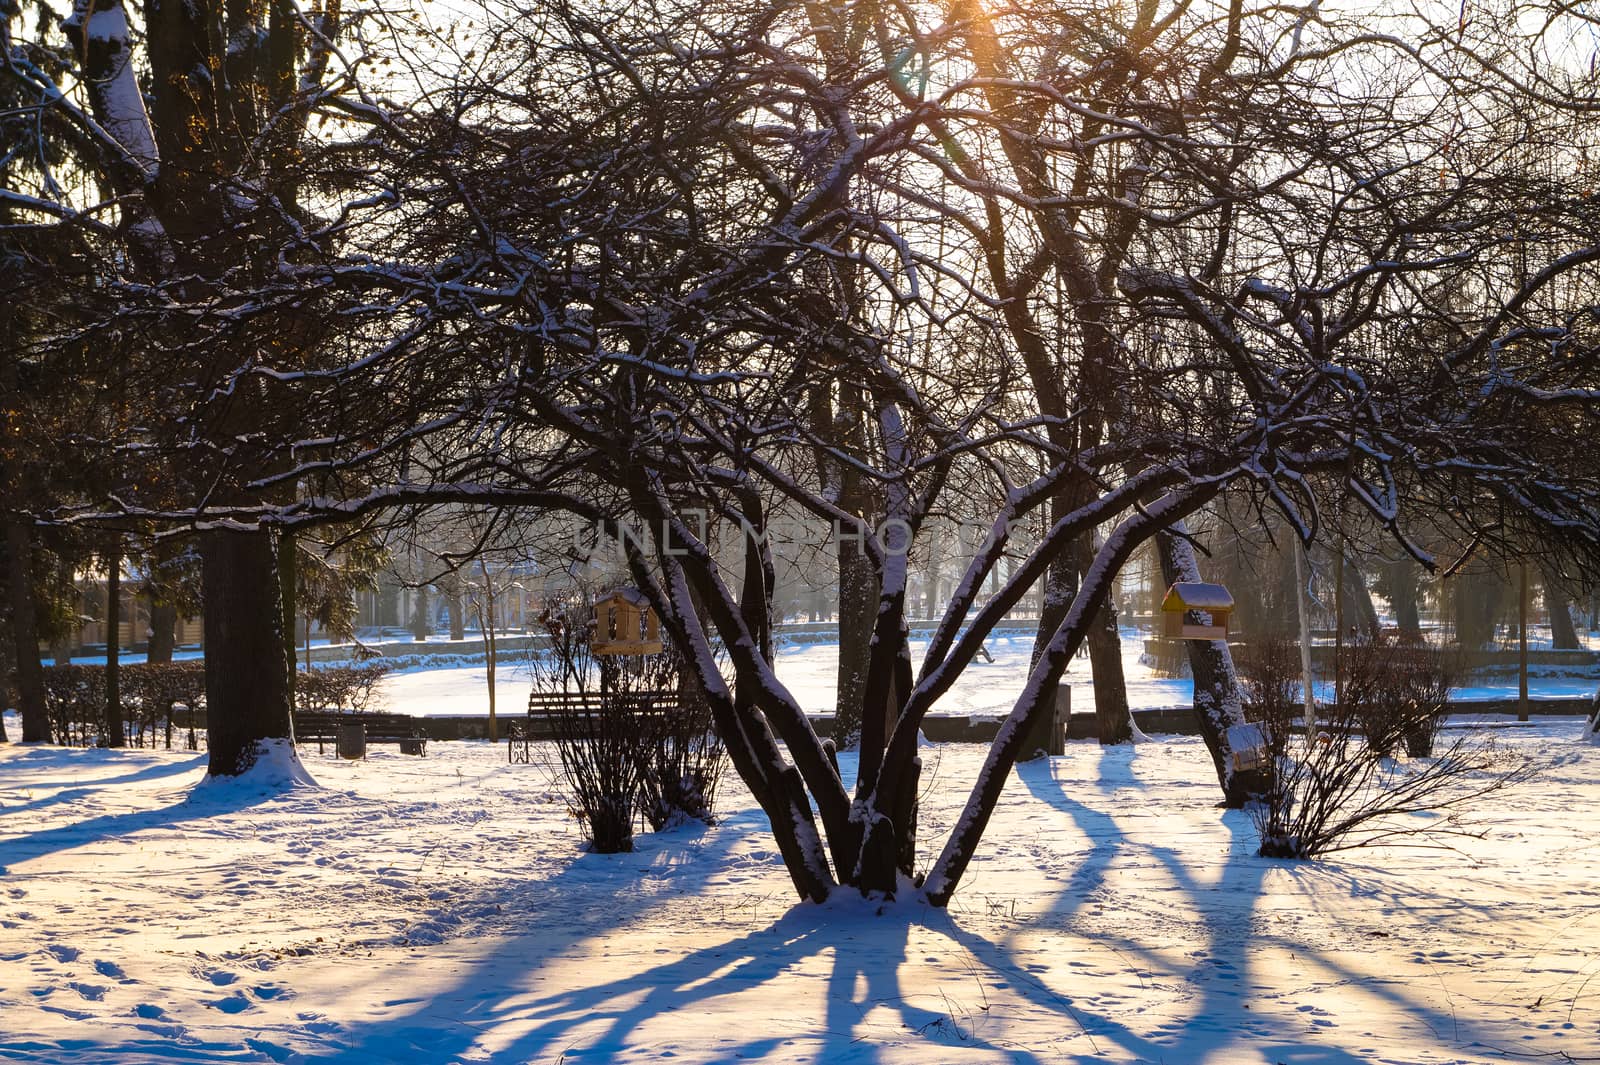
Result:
{"points": [[163, 632], [455, 603], [288, 602], [1403, 598], [114, 732], [1360, 614], [1216, 685], [1476, 603], [858, 604], [247, 686], [1563, 634], [1113, 722], [25, 631], [421, 625]]}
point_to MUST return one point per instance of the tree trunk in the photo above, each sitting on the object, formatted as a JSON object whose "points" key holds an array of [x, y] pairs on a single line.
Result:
{"points": [[1360, 614], [25, 631], [451, 587], [420, 623], [1563, 633], [247, 686], [858, 603], [113, 736], [486, 622], [288, 603], [1112, 719], [163, 632], [1105, 645], [1477, 600], [931, 575], [1403, 598], [1216, 685]]}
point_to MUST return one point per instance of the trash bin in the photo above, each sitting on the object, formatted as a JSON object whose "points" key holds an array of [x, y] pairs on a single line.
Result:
{"points": [[353, 740]]}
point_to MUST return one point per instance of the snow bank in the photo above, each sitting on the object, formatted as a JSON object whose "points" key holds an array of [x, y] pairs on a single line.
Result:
{"points": [[277, 769]]}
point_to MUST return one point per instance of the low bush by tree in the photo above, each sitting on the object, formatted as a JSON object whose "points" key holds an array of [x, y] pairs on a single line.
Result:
{"points": [[1398, 692], [634, 733], [1337, 786]]}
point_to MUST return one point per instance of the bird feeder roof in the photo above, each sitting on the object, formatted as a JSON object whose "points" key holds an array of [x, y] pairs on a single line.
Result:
{"points": [[631, 596], [1196, 595]]}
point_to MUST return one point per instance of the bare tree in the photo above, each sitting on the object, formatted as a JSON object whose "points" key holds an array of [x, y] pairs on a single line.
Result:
{"points": [[634, 256]]}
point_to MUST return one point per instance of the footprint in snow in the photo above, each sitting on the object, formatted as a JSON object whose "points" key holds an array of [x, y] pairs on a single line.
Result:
{"points": [[91, 992], [221, 977], [111, 971], [62, 952], [149, 1011], [234, 1003]]}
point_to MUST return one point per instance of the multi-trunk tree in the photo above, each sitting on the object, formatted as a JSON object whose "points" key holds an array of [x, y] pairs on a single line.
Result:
{"points": [[676, 260], [630, 260]]}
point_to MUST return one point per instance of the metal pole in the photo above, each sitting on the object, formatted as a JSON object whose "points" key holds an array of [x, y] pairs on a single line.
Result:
{"points": [[1338, 626], [1305, 634]]}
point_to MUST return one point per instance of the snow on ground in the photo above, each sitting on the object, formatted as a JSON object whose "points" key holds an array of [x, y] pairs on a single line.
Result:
{"points": [[986, 688], [440, 910]]}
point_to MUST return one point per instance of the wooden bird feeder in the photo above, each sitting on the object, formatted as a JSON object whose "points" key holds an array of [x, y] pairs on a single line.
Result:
{"points": [[1196, 611], [624, 624]]}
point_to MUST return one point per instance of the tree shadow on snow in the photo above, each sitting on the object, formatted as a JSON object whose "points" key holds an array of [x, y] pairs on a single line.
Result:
{"points": [[30, 845], [1230, 930], [852, 957], [71, 790]]}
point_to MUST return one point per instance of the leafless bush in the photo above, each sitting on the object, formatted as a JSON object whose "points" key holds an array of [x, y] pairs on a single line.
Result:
{"points": [[603, 737], [339, 687], [686, 758], [1271, 683], [1397, 693], [1335, 793], [1337, 786], [634, 733]]}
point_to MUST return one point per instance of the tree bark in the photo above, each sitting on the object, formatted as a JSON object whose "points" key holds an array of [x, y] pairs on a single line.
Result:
{"points": [[1563, 633], [1360, 614], [450, 585], [1403, 598], [858, 601], [247, 684], [1216, 685], [163, 632], [25, 631], [288, 602], [1112, 722], [420, 623], [114, 733], [1112, 719]]}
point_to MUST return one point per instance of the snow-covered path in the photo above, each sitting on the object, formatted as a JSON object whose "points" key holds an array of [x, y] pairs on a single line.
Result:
{"points": [[439, 910]]}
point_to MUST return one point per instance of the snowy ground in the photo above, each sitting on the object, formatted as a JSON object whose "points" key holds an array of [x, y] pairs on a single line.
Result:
{"points": [[985, 688], [439, 910]]}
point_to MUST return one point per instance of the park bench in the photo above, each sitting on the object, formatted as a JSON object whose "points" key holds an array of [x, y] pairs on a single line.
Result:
{"points": [[324, 725], [546, 708]]}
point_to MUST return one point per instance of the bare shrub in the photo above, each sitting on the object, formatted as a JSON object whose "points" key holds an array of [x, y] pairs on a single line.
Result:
{"points": [[339, 687], [1337, 785], [602, 736], [686, 757], [634, 733], [1397, 693]]}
